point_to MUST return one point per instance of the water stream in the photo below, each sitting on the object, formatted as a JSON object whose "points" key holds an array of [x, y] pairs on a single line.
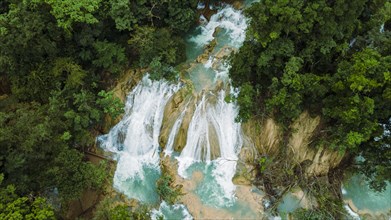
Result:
{"points": [[134, 140], [364, 200], [213, 140], [209, 159]]}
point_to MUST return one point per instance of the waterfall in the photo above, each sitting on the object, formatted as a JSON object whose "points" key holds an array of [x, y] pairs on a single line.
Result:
{"points": [[215, 138], [134, 140], [229, 19]]}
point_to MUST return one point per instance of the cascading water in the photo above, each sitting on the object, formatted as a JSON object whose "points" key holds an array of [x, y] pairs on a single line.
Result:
{"points": [[213, 134], [231, 26], [134, 140], [231, 21], [214, 139]]}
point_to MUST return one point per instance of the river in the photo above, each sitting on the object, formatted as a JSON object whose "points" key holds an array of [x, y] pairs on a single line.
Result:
{"points": [[208, 160]]}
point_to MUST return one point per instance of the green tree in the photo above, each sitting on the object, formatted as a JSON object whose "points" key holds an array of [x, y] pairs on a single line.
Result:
{"points": [[34, 142], [68, 12], [151, 43], [109, 210], [72, 176], [110, 56], [13, 206], [331, 58], [111, 105]]}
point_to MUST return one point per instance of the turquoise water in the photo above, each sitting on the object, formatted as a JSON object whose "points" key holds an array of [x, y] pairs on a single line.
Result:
{"points": [[357, 189], [208, 189], [222, 40], [142, 188], [176, 211], [202, 77], [211, 193], [192, 49], [138, 160], [288, 204]]}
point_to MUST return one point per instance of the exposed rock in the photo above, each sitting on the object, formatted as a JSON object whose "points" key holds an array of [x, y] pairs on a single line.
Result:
{"points": [[217, 31], [213, 142], [322, 160], [183, 100], [245, 170], [241, 180], [221, 56], [306, 201], [204, 57], [224, 52], [238, 5], [366, 213], [126, 83], [266, 135], [201, 211]]}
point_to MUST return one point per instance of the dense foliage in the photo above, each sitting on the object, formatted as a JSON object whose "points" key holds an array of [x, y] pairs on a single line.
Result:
{"points": [[110, 209], [330, 58], [13, 206], [57, 61], [166, 188]]}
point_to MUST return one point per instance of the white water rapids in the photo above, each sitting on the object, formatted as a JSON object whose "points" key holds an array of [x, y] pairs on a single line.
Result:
{"points": [[134, 140], [214, 120], [213, 138]]}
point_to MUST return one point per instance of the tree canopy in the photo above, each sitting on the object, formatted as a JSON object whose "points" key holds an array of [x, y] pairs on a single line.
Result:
{"points": [[58, 61], [331, 58]]}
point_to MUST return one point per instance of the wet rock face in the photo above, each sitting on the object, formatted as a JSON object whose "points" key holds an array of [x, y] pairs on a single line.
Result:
{"points": [[183, 100]]}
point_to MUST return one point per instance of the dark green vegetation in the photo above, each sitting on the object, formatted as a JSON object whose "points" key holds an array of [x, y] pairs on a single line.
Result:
{"points": [[110, 209], [13, 206], [166, 188], [57, 61], [331, 58]]}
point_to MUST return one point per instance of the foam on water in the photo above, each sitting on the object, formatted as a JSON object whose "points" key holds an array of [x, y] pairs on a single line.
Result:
{"points": [[229, 19], [134, 140], [176, 211], [352, 214], [213, 130]]}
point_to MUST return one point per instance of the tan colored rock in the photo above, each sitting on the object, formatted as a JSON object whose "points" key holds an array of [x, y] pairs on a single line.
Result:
{"points": [[181, 101], [203, 58], [224, 52], [241, 180], [322, 160], [221, 56], [238, 5], [127, 82], [306, 201], [265, 135], [124, 85]]}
